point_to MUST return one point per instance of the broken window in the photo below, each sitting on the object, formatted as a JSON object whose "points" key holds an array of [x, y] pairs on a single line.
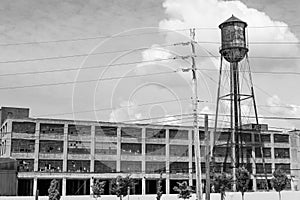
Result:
{"points": [[155, 167], [25, 165], [266, 151], [179, 167], [105, 166], [155, 133], [50, 165], [130, 132], [52, 128], [78, 130], [260, 169], [286, 167], [78, 166], [155, 149], [79, 147], [51, 146], [23, 127], [23, 146], [106, 148], [179, 150], [131, 148], [131, 166], [280, 138], [107, 131], [178, 134], [282, 152]]}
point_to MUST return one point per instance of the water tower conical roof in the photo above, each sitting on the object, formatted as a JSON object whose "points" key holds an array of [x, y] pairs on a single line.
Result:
{"points": [[231, 20]]}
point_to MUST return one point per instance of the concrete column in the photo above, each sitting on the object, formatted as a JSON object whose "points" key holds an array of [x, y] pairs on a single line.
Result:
{"points": [[91, 184], [65, 155], [167, 162], [118, 149], [8, 142], [144, 160], [36, 146], [64, 187], [253, 163], [93, 141], [34, 186], [190, 157]]}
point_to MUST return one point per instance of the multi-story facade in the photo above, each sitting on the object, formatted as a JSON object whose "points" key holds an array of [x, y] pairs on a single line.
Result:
{"points": [[77, 153]]}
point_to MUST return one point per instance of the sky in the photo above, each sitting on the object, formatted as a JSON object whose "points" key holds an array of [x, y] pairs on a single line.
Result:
{"points": [[133, 56]]}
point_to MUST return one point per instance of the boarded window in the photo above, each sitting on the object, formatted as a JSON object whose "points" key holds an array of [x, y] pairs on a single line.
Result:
{"points": [[155, 133], [155, 149], [51, 146], [105, 166], [107, 131], [23, 146], [23, 127]]}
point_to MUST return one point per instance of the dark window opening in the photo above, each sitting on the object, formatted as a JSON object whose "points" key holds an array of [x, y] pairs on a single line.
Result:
{"points": [[155, 149], [51, 146], [260, 169], [79, 130], [178, 134], [25, 165], [23, 146], [282, 152], [25, 187], [280, 138], [266, 151], [107, 131], [284, 166], [44, 184], [155, 167], [179, 167], [78, 166], [203, 168], [105, 166], [23, 127], [129, 132], [78, 187], [79, 147], [50, 165], [173, 183], [155, 133], [131, 148], [152, 185], [131, 166], [264, 137], [52, 128]]}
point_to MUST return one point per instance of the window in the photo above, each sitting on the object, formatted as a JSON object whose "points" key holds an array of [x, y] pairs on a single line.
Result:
{"points": [[131, 149], [79, 130], [282, 152], [23, 127], [280, 138], [260, 168], [78, 166], [23, 146], [129, 132], [155, 133], [50, 165], [131, 166], [286, 167], [155, 149], [52, 128], [226, 167], [246, 137], [222, 151], [51, 146], [179, 150], [25, 165], [155, 167], [266, 151], [106, 148], [203, 169], [223, 136], [179, 167], [105, 166], [178, 134], [78, 147], [107, 131], [264, 137]]}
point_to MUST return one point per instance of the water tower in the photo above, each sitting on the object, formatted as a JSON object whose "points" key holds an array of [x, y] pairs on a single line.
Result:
{"points": [[234, 50]]}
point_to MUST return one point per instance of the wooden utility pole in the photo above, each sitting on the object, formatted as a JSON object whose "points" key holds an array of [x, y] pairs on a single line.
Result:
{"points": [[207, 158], [195, 124]]}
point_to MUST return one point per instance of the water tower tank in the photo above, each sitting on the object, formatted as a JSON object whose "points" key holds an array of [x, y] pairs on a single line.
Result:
{"points": [[234, 46]]}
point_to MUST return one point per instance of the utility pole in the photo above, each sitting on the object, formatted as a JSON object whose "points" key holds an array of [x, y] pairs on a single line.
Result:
{"points": [[207, 158], [195, 124]]}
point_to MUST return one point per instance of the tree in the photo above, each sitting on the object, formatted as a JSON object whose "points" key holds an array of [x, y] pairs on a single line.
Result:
{"points": [[183, 189], [242, 180], [98, 188], [279, 181], [121, 185], [54, 190], [221, 182], [159, 191]]}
